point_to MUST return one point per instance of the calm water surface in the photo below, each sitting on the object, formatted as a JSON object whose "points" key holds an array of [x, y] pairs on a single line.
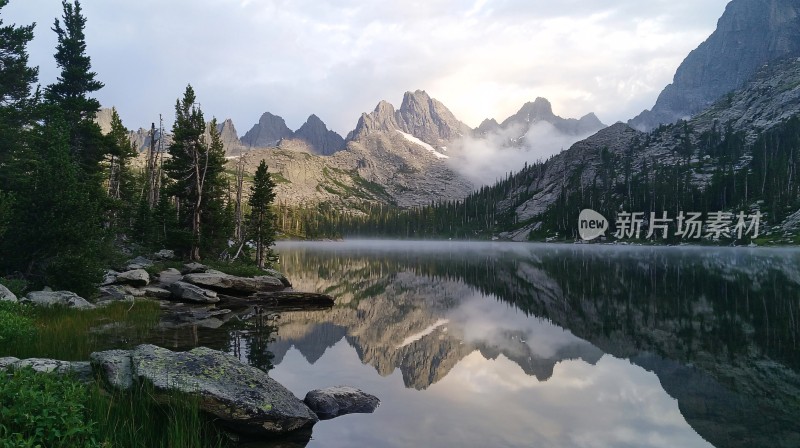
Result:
{"points": [[517, 345]]}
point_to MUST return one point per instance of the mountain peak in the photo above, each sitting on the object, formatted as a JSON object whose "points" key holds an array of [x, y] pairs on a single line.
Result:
{"points": [[540, 110], [269, 130], [317, 135], [749, 34]]}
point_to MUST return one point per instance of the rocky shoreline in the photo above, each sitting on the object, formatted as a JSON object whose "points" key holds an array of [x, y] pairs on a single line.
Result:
{"points": [[242, 398]]}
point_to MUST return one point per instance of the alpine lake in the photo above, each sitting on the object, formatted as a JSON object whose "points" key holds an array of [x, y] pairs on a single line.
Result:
{"points": [[479, 344]]}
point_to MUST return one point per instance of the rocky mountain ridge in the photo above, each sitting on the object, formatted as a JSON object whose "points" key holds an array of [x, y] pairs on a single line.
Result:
{"points": [[749, 34], [540, 110], [419, 115], [393, 156]]}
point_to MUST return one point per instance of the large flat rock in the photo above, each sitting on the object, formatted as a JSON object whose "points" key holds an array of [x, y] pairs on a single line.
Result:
{"points": [[234, 285], [243, 397]]}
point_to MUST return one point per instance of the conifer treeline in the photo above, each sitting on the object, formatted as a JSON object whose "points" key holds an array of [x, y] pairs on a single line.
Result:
{"points": [[68, 192], [766, 180]]}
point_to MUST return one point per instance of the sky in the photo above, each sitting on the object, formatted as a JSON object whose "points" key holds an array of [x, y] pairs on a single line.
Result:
{"points": [[337, 59]]}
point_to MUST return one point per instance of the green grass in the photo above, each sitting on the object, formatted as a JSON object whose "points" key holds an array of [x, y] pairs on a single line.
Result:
{"points": [[237, 268], [17, 286], [46, 410], [16, 324], [67, 334]]}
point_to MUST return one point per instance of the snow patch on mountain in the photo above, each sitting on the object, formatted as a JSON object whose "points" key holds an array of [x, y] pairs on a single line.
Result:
{"points": [[419, 142]]}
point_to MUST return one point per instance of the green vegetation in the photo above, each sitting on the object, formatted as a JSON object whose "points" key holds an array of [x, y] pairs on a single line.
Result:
{"points": [[742, 177], [261, 218], [72, 335], [48, 410], [44, 410], [16, 326]]}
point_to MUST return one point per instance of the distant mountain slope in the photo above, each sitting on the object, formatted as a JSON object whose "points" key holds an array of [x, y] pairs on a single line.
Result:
{"points": [[749, 34], [419, 115], [269, 130], [316, 136], [542, 111], [736, 154]]}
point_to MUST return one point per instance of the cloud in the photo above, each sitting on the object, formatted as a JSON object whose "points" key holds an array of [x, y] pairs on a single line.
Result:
{"points": [[294, 58], [488, 159]]}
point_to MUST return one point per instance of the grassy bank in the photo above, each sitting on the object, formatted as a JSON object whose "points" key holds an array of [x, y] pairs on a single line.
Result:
{"points": [[50, 411]]}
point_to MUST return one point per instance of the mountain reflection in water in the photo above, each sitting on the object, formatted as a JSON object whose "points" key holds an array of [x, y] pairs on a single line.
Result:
{"points": [[481, 344]]}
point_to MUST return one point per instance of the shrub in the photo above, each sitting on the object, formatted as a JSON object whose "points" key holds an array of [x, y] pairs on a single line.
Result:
{"points": [[15, 325], [44, 410]]}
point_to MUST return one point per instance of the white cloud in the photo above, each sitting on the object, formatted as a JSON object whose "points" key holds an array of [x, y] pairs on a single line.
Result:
{"points": [[482, 59]]}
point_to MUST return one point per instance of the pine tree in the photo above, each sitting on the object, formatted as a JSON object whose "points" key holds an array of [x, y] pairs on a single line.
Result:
{"points": [[261, 220], [195, 168], [17, 102], [70, 93]]}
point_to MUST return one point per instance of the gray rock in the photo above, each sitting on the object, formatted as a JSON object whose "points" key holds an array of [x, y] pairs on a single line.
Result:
{"points": [[6, 295], [135, 292], [335, 401], [156, 292], [748, 35], [81, 369], [268, 132], [139, 263], [109, 278], [168, 277], [165, 254], [7, 361], [540, 110], [62, 298], [245, 398], [114, 293], [192, 293], [136, 277], [234, 285], [114, 367], [279, 275], [193, 268], [322, 140]]}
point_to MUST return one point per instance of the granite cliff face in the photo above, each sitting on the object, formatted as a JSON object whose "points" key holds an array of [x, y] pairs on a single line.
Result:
{"points": [[312, 137], [316, 135], [230, 139], [540, 110], [768, 99], [269, 130], [749, 34], [419, 115]]}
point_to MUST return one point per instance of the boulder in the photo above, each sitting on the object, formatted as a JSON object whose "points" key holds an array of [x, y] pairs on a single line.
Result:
{"points": [[335, 401], [165, 254], [63, 298], [191, 293], [244, 398], [113, 293], [279, 276], [7, 361], [156, 292], [6, 295], [135, 292], [114, 367], [109, 278], [136, 277], [168, 277], [193, 268], [231, 284], [80, 369], [139, 263]]}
